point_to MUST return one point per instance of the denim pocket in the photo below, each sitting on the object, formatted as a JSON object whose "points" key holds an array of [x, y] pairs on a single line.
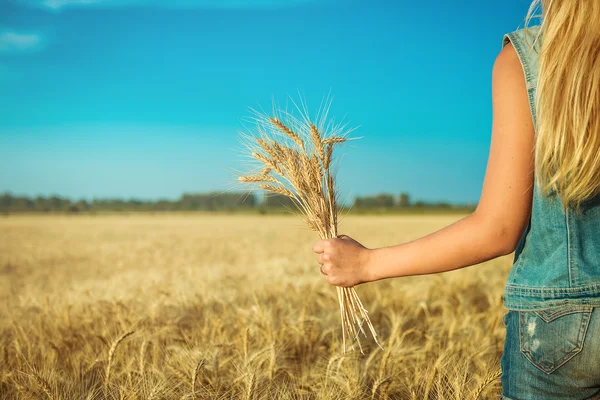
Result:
{"points": [[551, 337]]}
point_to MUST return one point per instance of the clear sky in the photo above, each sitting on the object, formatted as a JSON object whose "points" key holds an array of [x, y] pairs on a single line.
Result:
{"points": [[146, 98]]}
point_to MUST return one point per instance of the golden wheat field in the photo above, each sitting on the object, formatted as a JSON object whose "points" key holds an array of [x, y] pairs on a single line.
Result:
{"points": [[202, 306]]}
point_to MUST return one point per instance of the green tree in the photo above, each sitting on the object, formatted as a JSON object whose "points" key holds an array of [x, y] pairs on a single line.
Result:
{"points": [[404, 200]]}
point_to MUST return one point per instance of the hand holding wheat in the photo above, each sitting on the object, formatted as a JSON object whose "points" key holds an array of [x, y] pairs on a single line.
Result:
{"points": [[295, 158], [344, 261]]}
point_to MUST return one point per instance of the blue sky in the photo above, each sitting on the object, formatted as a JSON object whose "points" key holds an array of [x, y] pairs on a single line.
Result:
{"points": [[146, 98]]}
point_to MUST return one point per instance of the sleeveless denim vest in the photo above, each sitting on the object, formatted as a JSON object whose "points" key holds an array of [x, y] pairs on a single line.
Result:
{"points": [[557, 260]]}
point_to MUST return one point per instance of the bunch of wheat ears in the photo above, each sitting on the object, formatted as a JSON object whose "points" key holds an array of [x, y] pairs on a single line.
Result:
{"points": [[295, 159]]}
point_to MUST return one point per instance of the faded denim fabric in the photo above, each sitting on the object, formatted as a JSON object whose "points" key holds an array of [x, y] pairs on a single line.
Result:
{"points": [[557, 260], [552, 354], [552, 348]]}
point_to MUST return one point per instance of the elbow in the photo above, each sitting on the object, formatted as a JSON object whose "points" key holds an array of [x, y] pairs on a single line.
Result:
{"points": [[508, 244], [502, 238]]}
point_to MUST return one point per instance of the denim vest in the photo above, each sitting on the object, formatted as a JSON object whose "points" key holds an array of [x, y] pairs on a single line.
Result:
{"points": [[557, 260]]}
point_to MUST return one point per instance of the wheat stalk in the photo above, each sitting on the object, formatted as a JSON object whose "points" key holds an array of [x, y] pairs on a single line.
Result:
{"points": [[285, 129], [199, 365], [491, 377], [278, 190], [43, 384], [316, 139], [111, 353], [141, 366], [257, 178], [334, 140], [302, 157]]}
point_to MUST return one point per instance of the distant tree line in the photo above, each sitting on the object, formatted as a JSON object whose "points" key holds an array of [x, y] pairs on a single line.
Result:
{"points": [[204, 202], [385, 200], [187, 202]]}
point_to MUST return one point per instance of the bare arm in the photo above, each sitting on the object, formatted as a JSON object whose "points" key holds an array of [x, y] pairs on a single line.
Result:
{"points": [[492, 230]]}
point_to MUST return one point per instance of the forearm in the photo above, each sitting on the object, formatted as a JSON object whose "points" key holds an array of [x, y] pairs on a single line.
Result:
{"points": [[468, 241]]}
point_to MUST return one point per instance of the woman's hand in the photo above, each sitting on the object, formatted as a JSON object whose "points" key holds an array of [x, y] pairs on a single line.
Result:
{"points": [[344, 261]]}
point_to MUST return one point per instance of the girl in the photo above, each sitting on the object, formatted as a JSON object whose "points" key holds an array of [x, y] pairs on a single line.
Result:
{"points": [[546, 102]]}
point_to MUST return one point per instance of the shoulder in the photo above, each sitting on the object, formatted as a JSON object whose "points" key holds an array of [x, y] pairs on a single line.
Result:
{"points": [[509, 84], [507, 65], [519, 56], [507, 56]]}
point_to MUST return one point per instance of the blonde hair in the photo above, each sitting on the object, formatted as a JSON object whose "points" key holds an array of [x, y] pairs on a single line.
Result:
{"points": [[567, 144]]}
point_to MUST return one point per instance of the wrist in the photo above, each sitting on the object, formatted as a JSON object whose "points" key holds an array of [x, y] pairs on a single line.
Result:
{"points": [[369, 266]]}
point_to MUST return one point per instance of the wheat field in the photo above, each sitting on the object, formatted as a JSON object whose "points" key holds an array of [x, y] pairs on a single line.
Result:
{"points": [[205, 306]]}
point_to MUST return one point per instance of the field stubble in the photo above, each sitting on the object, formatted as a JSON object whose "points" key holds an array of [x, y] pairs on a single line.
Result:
{"points": [[220, 307]]}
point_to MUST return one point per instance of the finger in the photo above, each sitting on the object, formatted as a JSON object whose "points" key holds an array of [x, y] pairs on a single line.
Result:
{"points": [[323, 258], [319, 246], [331, 280], [344, 237], [322, 272], [326, 268]]}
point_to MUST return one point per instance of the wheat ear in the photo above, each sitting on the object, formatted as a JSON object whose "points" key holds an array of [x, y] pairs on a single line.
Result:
{"points": [[111, 353], [43, 384], [199, 365], [486, 382], [283, 128]]}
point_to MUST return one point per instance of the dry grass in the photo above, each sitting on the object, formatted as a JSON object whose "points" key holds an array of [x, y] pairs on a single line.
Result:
{"points": [[228, 307]]}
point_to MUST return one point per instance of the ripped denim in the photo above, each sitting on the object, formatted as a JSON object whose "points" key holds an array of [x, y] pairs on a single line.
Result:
{"points": [[552, 353]]}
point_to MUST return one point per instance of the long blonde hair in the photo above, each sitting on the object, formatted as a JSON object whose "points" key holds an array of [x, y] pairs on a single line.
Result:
{"points": [[567, 145]]}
